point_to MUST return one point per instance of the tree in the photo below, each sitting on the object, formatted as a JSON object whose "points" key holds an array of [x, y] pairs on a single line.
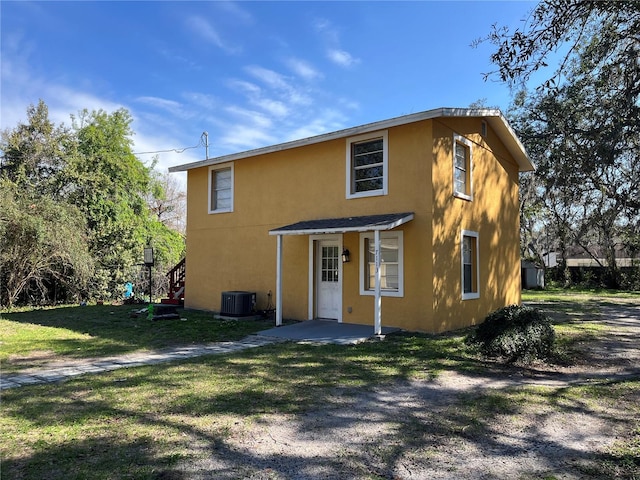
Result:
{"points": [[582, 126], [168, 202], [75, 215], [109, 185], [34, 153], [554, 24], [42, 246]]}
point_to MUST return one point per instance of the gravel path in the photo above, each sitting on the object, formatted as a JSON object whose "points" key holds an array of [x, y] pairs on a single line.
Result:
{"points": [[436, 429]]}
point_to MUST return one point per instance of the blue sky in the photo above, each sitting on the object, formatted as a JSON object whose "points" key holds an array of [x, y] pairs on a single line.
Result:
{"points": [[249, 73]]}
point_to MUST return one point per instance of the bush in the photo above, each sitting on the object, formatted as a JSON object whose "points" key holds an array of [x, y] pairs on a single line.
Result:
{"points": [[515, 333]]}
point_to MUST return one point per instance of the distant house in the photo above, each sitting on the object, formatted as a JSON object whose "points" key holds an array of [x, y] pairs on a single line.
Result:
{"points": [[591, 267], [409, 222], [577, 257]]}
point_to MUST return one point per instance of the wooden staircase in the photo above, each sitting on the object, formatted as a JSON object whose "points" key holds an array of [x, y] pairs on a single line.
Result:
{"points": [[176, 284]]}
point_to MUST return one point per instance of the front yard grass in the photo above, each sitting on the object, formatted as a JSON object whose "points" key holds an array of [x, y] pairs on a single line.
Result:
{"points": [[141, 422], [32, 337]]}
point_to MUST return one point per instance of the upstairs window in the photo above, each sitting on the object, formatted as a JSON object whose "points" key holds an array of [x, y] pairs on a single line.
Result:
{"points": [[462, 168], [220, 189], [367, 170]]}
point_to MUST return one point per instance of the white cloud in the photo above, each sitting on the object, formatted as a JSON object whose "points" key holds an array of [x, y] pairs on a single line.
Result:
{"points": [[327, 30], [242, 137], [234, 10], [202, 100], [281, 86], [341, 57], [256, 119], [273, 107], [174, 57], [327, 120], [244, 86], [162, 103], [303, 69], [206, 31], [331, 36], [269, 77]]}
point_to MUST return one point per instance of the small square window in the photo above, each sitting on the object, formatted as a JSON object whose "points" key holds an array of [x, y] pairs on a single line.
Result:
{"points": [[462, 168], [367, 170], [220, 189], [470, 267]]}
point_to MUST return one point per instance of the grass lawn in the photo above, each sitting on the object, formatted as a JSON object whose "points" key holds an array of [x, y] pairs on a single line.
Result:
{"points": [[31, 337], [140, 422]]}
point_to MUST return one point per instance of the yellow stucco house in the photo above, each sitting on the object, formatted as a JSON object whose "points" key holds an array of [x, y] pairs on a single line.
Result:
{"points": [[411, 222]]}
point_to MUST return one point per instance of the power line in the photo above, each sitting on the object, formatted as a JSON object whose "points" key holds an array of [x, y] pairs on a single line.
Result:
{"points": [[204, 142]]}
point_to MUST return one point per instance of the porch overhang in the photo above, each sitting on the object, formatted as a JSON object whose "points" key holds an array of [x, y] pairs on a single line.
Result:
{"points": [[366, 223]]}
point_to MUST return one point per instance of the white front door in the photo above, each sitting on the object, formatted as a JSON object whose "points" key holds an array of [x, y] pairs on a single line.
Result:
{"points": [[328, 281]]}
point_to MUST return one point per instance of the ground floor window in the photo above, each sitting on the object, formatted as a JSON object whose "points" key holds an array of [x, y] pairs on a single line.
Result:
{"points": [[391, 264], [470, 269]]}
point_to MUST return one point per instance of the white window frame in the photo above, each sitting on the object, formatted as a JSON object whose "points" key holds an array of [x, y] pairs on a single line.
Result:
{"points": [[213, 169], [471, 234], [364, 262], [469, 167], [385, 164]]}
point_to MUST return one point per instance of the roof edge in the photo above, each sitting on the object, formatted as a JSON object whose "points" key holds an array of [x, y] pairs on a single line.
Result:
{"points": [[515, 146], [401, 219]]}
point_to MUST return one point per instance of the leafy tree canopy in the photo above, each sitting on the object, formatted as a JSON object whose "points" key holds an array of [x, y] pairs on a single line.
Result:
{"points": [[581, 126], [78, 208], [566, 25]]}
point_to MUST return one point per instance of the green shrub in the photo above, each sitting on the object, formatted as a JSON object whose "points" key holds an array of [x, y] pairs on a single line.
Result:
{"points": [[515, 333]]}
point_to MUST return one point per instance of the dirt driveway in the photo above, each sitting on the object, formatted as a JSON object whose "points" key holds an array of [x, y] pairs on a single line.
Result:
{"points": [[502, 425]]}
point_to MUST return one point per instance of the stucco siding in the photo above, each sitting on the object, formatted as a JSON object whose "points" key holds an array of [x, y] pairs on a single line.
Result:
{"points": [[492, 213], [234, 251]]}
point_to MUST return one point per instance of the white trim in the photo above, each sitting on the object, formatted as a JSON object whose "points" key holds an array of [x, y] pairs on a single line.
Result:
{"points": [[399, 234], [278, 280], [212, 169], [385, 164], [313, 265], [476, 294], [377, 314], [467, 143], [311, 281]]}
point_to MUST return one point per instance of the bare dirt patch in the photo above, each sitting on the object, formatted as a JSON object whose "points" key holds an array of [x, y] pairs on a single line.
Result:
{"points": [[509, 423], [34, 359]]}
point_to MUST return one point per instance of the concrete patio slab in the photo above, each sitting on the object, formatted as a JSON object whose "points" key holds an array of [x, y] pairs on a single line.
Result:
{"points": [[325, 331]]}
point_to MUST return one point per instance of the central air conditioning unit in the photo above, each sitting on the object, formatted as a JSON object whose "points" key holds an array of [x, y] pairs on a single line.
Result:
{"points": [[237, 304]]}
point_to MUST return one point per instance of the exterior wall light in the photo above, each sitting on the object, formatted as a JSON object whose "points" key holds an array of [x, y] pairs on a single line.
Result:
{"points": [[345, 255]]}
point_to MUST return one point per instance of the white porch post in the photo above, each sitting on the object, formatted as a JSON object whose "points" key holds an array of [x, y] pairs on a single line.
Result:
{"points": [[279, 280], [378, 296]]}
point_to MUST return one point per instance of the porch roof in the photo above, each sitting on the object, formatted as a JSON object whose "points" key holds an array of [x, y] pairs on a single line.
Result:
{"points": [[366, 223]]}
